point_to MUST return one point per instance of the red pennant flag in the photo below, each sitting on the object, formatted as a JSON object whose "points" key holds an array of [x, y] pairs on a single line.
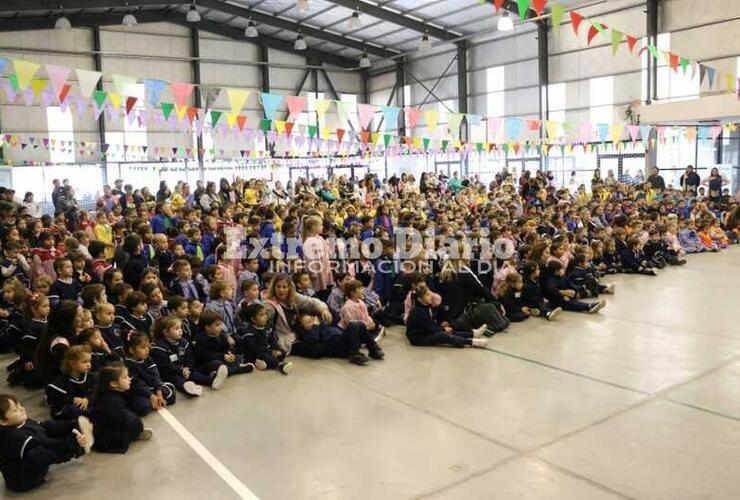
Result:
{"points": [[592, 32], [365, 136], [192, 113], [631, 42], [673, 61], [498, 4], [539, 6], [130, 102], [63, 93], [407, 140], [241, 120], [534, 125], [576, 19], [289, 128], [340, 135]]}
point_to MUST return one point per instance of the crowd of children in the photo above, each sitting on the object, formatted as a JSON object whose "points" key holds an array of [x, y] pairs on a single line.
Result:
{"points": [[113, 314]]}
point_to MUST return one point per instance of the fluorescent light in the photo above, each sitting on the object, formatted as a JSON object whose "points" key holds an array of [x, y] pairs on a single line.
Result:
{"points": [[365, 61], [425, 43], [62, 23], [129, 20], [354, 21], [193, 15], [303, 6], [505, 23], [251, 31], [300, 43]]}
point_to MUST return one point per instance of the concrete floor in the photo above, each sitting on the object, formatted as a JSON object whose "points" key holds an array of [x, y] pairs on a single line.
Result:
{"points": [[641, 401]]}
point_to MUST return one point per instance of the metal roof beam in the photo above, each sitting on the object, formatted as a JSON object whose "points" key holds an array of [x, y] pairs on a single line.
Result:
{"points": [[53, 5]]}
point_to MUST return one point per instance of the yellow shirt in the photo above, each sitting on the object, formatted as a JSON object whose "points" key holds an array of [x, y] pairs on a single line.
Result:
{"points": [[250, 196], [104, 233], [177, 201]]}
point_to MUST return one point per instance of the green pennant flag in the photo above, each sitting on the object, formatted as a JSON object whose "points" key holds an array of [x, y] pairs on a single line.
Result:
{"points": [[387, 139], [425, 141], [684, 64], [167, 108], [505, 147], [265, 124], [215, 116], [312, 129], [479, 146], [557, 12], [598, 27], [616, 40], [562, 150], [653, 51], [14, 82], [523, 8], [100, 96], [444, 144]]}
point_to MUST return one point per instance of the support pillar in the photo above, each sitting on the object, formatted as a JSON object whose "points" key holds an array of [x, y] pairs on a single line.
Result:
{"points": [[543, 52], [195, 54], [98, 61]]}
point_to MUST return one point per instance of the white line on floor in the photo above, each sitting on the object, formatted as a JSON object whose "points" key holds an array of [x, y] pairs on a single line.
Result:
{"points": [[220, 469]]}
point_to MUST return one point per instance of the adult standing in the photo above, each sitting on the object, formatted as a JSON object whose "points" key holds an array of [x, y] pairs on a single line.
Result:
{"points": [[34, 209], [68, 206], [714, 182], [56, 192], [690, 180], [656, 180]]}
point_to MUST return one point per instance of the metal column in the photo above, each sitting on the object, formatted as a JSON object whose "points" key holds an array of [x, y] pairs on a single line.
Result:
{"points": [[652, 38], [400, 95], [462, 84], [364, 81], [195, 54], [543, 59], [264, 75], [98, 61]]}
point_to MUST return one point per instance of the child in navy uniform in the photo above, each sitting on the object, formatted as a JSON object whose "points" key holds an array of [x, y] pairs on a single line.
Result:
{"points": [[28, 447], [25, 370], [561, 293], [68, 396], [213, 352], [177, 306], [509, 292], [173, 355], [100, 353], [633, 260], [65, 287], [148, 392], [585, 280], [258, 343], [532, 293], [136, 317], [104, 315], [116, 425]]}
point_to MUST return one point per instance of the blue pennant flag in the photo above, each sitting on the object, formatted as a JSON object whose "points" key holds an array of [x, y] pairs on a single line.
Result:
{"points": [[513, 128], [603, 131], [390, 118], [153, 90], [271, 102], [645, 132]]}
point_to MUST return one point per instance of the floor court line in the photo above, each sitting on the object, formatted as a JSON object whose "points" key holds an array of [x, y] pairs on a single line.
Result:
{"points": [[219, 468]]}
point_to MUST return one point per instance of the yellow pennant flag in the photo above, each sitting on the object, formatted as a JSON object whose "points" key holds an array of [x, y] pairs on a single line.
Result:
{"points": [[617, 130], [24, 71], [38, 86], [279, 126], [553, 128], [730, 81], [325, 132], [321, 105], [231, 119], [432, 119], [690, 133], [374, 136], [417, 142], [180, 111], [237, 99], [115, 99]]}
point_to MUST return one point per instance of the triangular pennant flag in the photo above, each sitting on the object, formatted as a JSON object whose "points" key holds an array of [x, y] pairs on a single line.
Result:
{"points": [[100, 97], [513, 128], [365, 136], [576, 19], [344, 108], [443, 144], [215, 117], [38, 86], [374, 136], [181, 92], [715, 131], [539, 6], [192, 113], [3, 63], [181, 111], [321, 106], [167, 108], [14, 82], [631, 42], [455, 120], [25, 71], [390, 118], [690, 134], [653, 51], [645, 132], [425, 141], [210, 95], [553, 128], [592, 32], [702, 73], [730, 82], [241, 120], [674, 61], [289, 128], [616, 40], [557, 10], [231, 120], [617, 130], [498, 4], [534, 125], [295, 106], [88, 81], [412, 116], [340, 135], [432, 119], [366, 112], [115, 100], [153, 89], [237, 99], [312, 129], [523, 6], [280, 126], [270, 103], [58, 76], [710, 75], [130, 103], [122, 83], [684, 64]]}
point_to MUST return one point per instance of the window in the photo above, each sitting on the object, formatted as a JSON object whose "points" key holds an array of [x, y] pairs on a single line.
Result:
{"points": [[61, 128], [602, 99], [495, 91], [670, 85], [556, 101]]}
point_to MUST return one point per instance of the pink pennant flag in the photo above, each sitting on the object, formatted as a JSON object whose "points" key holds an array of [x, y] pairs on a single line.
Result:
{"points": [[181, 92], [715, 131], [494, 125], [28, 96], [366, 112], [80, 105], [10, 94], [295, 106], [634, 131], [585, 132], [47, 96], [58, 76], [413, 115]]}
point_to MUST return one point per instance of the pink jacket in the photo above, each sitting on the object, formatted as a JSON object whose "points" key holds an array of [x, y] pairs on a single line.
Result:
{"points": [[316, 258], [501, 275], [355, 310]]}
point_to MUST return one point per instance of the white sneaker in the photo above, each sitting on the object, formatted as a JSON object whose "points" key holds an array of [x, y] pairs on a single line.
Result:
{"points": [[192, 388], [598, 306], [260, 364], [221, 374], [86, 429], [286, 368], [480, 343], [145, 435], [554, 313], [478, 332], [610, 287]]}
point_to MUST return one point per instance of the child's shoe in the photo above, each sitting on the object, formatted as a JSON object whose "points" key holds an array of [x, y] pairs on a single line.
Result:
{"points": [[376, 352], [220, 378], [553, 314], [480, 343], [596, 307], [86, 429], [260, 364], [192, 389], [145, 435], [358, 359], [610, 288], [285, 368], [480, 331]]}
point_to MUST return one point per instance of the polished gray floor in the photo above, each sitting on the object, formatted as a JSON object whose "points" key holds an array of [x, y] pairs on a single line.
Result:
{"points": [[640, 401]]}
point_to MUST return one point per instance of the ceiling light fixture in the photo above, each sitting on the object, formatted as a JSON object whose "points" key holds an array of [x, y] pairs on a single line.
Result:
{"points": [[129, 19], [354, 21], [251, 31], [425, 44], [303, 6], [63, 24], [193, 15], [505, 23], [365, 61], [300, 43]]}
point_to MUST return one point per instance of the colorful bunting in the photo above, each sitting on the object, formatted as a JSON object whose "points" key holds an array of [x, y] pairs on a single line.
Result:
{"points": [[557, 11], [181, 92], [295, 106], [270, 104], [366, 113], [412, 115], [576, 19], [523, 8], [25, 71], [616, 40], [539, 6], [432, 119], [390, 118], [167, 108], [153, 89], [237, 99], [58, 76]]}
